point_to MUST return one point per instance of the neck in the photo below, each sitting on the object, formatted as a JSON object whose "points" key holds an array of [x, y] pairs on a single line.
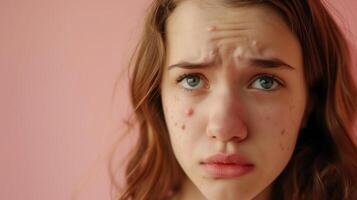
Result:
{"points": [[265, 194]]}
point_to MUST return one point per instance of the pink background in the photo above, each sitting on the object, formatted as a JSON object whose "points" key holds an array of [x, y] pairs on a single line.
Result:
{"points": [[58, 64]]}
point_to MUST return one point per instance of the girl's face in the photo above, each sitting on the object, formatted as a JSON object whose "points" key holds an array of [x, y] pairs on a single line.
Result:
{"points": [[233, 95]]}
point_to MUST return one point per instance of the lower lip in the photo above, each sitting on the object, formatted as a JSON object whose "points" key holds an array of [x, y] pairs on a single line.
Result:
{"points": [[218, 170]]}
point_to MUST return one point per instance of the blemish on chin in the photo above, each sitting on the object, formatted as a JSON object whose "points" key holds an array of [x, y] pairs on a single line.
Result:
{"points": [[189, 112]]}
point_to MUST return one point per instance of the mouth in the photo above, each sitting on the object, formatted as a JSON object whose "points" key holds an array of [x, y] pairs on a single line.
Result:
{"points": [[226, 165]]}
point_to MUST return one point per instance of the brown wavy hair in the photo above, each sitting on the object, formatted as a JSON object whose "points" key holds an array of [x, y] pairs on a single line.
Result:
{"points": [[324, 163]]}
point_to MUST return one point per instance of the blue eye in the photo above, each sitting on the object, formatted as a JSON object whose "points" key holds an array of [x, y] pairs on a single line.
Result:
{"points": [[266, 82], [191, 81]]}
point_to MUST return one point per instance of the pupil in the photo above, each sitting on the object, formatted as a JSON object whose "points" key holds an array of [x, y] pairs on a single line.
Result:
{"points": [[192, 81], [266, 82]]}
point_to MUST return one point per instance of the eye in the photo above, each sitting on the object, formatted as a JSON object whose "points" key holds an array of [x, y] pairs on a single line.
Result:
{"points": [[266, 83], [191, 81]]}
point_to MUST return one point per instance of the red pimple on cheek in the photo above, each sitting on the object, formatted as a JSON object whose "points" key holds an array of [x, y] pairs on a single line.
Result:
{"points": [[189, 112]]}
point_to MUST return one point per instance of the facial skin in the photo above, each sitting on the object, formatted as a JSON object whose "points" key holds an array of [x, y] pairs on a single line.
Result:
{"points": [[234, 103]]}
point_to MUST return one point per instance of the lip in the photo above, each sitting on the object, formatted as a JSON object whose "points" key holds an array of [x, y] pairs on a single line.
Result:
{"points": [[226, 165]]}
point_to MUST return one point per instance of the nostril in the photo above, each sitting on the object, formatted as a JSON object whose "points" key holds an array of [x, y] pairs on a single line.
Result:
{"points": [[237, 139], [226, 132]]}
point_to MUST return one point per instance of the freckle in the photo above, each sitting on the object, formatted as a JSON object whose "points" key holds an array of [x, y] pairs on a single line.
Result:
{"points": [[276, 124], [183, 127], [291, 108], [189, 112], [281, 147], [283, 132], [175, 124]]}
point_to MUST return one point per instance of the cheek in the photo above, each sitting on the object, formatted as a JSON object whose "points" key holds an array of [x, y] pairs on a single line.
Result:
{"points": [[189, 112], [276, 127], [178, 116], [177, 111]]}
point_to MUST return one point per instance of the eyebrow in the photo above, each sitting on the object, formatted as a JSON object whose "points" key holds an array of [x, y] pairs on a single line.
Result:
{"points": [[257, 62]]}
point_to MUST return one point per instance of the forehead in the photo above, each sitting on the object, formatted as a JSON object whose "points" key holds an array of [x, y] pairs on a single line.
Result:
{"points": [[187, 27]]}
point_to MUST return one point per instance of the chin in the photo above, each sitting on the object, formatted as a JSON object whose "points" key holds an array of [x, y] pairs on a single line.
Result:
{"points": [[228, 192]]}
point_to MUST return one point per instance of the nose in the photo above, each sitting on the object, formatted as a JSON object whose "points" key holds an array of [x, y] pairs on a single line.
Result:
{"points": [[226, 121]]}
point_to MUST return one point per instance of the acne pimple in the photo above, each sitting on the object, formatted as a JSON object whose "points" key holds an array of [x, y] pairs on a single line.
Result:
{"points": [[212, 28], [239, 53], [212, 54], [189, 112]]}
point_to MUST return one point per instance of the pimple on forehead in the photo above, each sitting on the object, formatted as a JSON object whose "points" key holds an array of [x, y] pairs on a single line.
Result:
{"points": [[211, 28], [243, 52], [225, 33], [254, 43], [238, 53]]}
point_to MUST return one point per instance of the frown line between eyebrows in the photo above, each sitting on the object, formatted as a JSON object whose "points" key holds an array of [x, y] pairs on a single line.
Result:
{"points": [[263, 63]]}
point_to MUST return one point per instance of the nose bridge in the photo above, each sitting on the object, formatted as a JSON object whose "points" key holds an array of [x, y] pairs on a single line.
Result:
{"points": [[226, 116]]}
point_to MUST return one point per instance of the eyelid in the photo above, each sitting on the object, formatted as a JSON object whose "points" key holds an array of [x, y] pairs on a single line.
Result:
{"points": [[279, 81], [276, 78], [202, 77], [185, 75]]}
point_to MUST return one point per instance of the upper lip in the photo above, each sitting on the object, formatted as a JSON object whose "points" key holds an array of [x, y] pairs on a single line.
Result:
{"points": [[222, 158]]}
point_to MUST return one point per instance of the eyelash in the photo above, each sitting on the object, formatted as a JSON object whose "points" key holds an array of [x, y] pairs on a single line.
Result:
{"points": [[256, 77], [274, 77], [184, 76]]}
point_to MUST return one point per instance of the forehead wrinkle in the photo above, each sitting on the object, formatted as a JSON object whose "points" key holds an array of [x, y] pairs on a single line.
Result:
{"points": [[193, 31]]}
